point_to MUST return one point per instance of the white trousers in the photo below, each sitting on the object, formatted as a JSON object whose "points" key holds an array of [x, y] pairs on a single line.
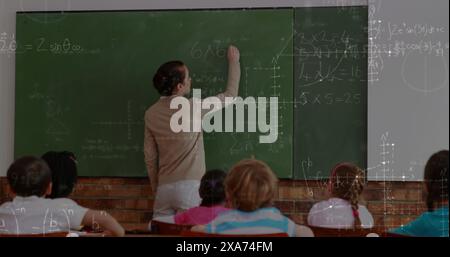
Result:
{"points": [[176, 197]]}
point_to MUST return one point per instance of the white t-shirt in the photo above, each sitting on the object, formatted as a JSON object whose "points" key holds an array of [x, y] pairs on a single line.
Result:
{"points": [[337, 213], [37, 215]]}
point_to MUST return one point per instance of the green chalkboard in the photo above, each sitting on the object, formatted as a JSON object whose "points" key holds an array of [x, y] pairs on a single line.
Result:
{"points": [[330, 110], [83, 81]]}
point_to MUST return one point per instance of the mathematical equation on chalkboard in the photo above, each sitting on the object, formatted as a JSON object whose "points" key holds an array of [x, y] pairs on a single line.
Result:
{"points": [[103, 149], [208, 78], [216, 48], [323, 72], [328, 98], [66, 46], [329, 57], [246, 144]]}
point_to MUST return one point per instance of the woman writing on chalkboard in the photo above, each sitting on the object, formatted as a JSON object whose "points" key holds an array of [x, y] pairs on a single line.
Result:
{"points": [[176, 161]]}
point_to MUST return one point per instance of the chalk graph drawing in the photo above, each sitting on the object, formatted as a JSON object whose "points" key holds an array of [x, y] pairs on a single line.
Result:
{"points": [[54, 113], [322, 45], [129, 122]]}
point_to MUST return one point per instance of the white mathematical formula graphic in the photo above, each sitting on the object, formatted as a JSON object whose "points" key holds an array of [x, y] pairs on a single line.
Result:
{"points": [[8, 44], [47, 216], [418, 49]]}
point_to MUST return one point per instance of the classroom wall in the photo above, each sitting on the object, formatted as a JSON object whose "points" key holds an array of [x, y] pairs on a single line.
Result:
{"points": [[7, 25], [415, 121], [130, 200]]}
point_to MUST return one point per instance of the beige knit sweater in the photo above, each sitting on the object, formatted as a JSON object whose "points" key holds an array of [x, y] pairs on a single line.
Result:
{"points": [[170, 156]]}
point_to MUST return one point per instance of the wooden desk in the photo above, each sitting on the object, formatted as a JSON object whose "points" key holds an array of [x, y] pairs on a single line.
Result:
{"points": [[127, 234]]}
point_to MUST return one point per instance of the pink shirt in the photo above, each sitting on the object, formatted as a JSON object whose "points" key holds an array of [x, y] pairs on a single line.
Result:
{"points": [[199, 215]]}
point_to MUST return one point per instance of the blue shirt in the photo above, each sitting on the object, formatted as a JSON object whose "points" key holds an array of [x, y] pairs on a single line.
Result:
{"points": [[429, 224], [261, 221]]}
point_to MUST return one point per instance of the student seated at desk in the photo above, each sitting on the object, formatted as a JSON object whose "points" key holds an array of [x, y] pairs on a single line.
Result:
{"points": [[63, 166], [29, 180], [434, 222], [250, 188], [212, 193], [342, 210]]}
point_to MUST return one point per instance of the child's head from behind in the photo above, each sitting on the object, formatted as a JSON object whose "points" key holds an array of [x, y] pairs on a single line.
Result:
{"points": [[212, 189], [250, 185], [436, 179], [29, 176], [347, 182], [64, 172]]}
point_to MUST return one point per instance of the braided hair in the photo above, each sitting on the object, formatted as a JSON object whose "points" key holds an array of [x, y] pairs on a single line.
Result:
{"points": [[64, 172], [168, 76], [347, 182], [436, 178]]}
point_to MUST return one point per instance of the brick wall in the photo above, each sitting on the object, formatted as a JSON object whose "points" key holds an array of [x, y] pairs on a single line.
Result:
{"points": [[130, 200]]}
